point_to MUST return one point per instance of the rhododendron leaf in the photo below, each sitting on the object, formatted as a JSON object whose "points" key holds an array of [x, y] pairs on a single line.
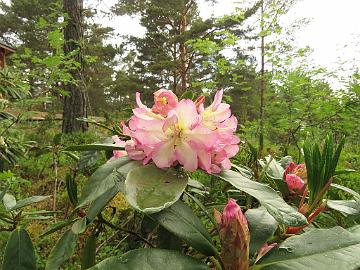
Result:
{"points": [[348, 190], [274, 204], [106, 177], [28, 201], [94, 147], [151, 259], [62, 251], [19, 252], [181, 221], [150, 189], [331, 249], [351, 207], [96, 206], [79, 226], [261, 225], [272, 167]]}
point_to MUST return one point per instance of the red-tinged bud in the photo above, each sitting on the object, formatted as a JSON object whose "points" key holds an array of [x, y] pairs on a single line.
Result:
{"points": [[234, 237], [81, 213]]}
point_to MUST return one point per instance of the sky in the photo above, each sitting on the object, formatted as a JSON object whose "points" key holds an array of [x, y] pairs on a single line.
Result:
{"points": [[334, 24]]}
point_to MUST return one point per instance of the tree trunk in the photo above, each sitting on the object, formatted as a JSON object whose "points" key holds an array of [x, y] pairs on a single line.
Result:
{"points": [[183, 57], [262, 85], [75, 103]]}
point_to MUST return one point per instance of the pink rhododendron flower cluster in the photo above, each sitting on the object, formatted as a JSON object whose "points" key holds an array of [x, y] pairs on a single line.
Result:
{"points": [[182, 132], [295, 177]]}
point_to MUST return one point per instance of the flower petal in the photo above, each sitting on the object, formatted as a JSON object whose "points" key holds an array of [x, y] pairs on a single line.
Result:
{"points": [[186, 156]]}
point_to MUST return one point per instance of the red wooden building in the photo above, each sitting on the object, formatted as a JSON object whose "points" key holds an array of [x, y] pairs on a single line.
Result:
{"points": [[4, 51]]}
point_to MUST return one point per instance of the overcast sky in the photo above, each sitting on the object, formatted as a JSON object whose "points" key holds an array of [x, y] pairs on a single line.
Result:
{"points": [[333, 33]]}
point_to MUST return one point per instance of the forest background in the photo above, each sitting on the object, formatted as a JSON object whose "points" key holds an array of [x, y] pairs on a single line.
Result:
{"points": [[278, 94]]}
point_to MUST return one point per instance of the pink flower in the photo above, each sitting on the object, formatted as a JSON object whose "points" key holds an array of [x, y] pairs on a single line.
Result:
{"points": [[234, 236], [216, 113], [295, 177], [182, 132], [118, 153], [164, 101]]}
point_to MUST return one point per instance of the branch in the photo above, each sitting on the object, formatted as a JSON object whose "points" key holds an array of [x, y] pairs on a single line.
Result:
{"points": [[113, 226]]}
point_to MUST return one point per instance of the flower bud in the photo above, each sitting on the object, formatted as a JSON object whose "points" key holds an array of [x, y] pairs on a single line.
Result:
{"points": [[234, 237], [295, 176]]}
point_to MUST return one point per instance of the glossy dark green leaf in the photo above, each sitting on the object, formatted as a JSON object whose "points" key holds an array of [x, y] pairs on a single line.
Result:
{"points": [[97, 205], [150, 189], [94, 147], [57, 226], [261, 225], [88, 253], [182, 222], [151, 259], [62, 251], [276, 206], [71, 188], [328, 249], [19, 252], [106, 177]]}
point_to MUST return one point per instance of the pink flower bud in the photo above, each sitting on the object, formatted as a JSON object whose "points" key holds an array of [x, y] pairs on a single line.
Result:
{"points": [[234, 237], [295, 183], [295, 177]]}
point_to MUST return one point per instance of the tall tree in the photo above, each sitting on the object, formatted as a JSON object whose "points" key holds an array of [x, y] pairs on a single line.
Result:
{"points": [[180, 50], [76, 101]]}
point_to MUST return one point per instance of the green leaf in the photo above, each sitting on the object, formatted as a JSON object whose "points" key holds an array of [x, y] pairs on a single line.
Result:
{"points": [[182, 222], [79, 226], [151, 259], [352, 192], [88, 253], [19, 252], [94, 147], [330, 249], [3, 192], [276, 206], [9, 201], [272, 167], [261, 225], [88, 159], [344, 171], [150, 189], [106, 177], [62, 251], [57, 226], [28, 201], [71, 188], [348, 207], [97, 205]]}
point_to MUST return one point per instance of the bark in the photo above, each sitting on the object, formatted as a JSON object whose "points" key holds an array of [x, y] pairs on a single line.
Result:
{"points": [[75, 103]]}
